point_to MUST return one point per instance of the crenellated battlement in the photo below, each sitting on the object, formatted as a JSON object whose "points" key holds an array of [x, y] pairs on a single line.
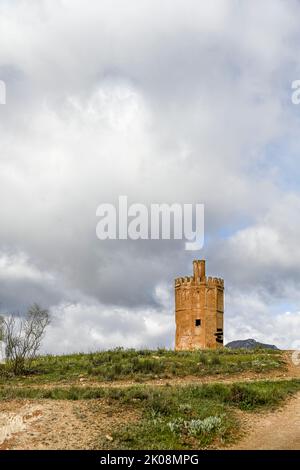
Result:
{"points": [[191, 281], [185, 281], [215, 281]]}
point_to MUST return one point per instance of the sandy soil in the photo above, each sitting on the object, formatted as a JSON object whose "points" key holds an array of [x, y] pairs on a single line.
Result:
{"points": [[279, 430], [58, 424], [274, 430]]}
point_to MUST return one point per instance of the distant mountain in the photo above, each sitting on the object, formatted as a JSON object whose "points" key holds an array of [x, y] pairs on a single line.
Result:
{"points": [[249, 344]]}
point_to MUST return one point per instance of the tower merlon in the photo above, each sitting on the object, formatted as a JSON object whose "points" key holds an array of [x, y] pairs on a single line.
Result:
{"points": [[184, 281], [215, 281], [199, 269]]}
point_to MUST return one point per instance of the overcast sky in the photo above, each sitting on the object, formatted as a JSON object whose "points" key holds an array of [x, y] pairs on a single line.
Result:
{"points": [[175, 101]]}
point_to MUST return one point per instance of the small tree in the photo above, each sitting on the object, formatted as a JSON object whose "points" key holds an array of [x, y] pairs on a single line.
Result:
{"points": [[1, 339], [1, 328], [23, 337]]}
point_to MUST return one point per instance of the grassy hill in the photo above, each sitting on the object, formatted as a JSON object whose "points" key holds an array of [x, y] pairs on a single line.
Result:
{"points": [[146, 399], [129, 364]]}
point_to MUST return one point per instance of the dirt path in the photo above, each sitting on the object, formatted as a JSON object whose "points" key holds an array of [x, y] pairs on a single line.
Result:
{"points": [[279, 430], [274, 430], [62, 424], [58, 424]]}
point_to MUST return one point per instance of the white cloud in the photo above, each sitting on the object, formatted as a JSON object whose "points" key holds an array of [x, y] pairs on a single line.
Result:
{"points": [[252, 317], [164, 103], [17, 266], [91, 327]]}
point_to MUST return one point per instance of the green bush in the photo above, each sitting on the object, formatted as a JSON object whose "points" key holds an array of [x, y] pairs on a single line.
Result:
{"points": [[215, 360]]}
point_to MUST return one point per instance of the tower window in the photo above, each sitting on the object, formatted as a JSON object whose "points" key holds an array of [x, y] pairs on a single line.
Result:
{"points": [[198, 322]]}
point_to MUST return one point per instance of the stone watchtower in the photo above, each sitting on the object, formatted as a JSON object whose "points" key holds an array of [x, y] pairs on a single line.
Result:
{"points": [[199, 310]]}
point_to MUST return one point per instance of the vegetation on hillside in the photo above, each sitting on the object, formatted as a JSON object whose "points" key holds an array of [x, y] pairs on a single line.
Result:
{"points": [[130, 364], [185, 416], [169, 417]]}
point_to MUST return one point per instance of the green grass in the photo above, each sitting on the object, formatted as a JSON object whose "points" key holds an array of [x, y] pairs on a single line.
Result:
{"points": [[171, 417], [161, 417], [196, 417], [142, 365]]}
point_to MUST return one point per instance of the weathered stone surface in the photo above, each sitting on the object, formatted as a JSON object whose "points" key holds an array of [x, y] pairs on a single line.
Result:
{"points": [[199, 310]]}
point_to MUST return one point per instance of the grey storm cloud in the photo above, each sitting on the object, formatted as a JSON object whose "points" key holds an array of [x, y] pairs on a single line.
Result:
{"points": [[175, 102]]}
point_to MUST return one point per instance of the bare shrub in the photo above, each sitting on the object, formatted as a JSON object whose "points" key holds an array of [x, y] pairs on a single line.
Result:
{"points": [[23, 336]]}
